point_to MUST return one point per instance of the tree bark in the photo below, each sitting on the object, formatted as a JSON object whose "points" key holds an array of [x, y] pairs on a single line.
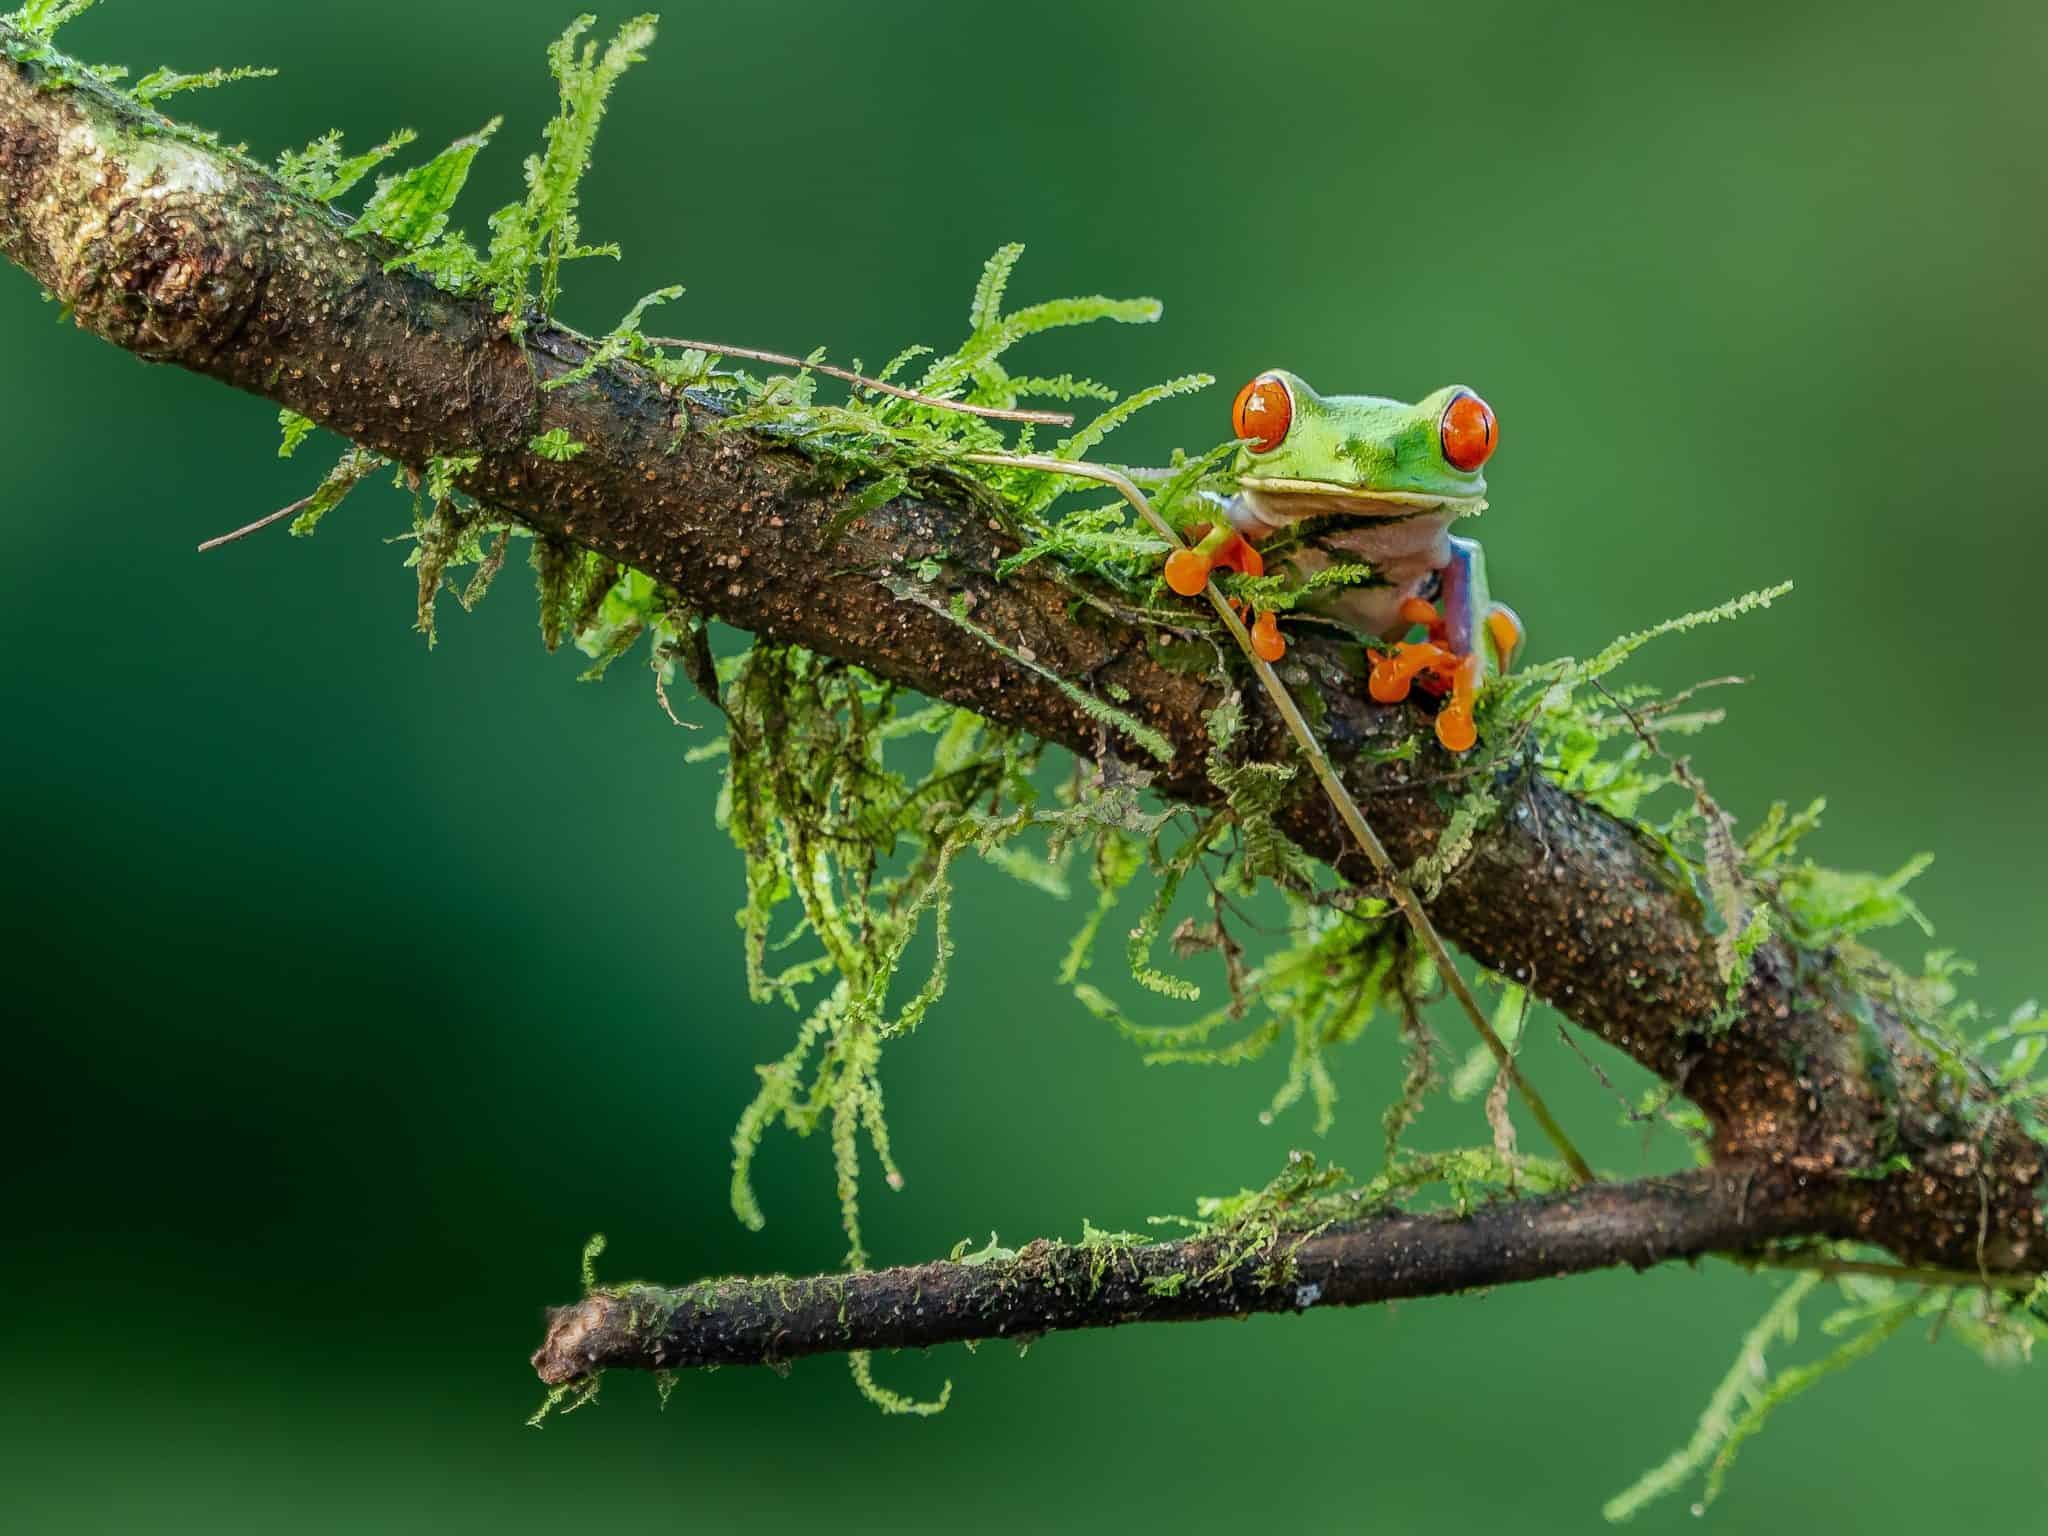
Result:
{"points": [[182, 253]]}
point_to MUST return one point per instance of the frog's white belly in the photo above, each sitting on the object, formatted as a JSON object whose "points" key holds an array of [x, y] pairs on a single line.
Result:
{"points": [[1405, 546]]}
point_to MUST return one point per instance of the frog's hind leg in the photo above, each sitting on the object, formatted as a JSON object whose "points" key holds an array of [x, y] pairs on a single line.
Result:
{"points": [[1467, 634], [1473, 623]]}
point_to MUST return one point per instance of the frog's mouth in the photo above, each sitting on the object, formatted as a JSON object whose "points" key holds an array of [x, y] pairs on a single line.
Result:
{"points": [[1279, 502]]}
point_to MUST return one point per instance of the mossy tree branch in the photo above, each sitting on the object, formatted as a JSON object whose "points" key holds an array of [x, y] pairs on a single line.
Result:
{"points": [[1050, 1286], [184, 254]]}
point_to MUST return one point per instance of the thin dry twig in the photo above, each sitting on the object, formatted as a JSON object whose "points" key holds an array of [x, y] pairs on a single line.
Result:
{"points": [[1905, 1274], [259, 525]]}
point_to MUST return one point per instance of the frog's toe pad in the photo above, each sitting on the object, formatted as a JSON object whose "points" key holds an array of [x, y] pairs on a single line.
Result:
{"points": [[1268, 644], [1387, 683], [1393, 672], [1455, 728], [1187, 572], [1420, 610], [1505, 627]]}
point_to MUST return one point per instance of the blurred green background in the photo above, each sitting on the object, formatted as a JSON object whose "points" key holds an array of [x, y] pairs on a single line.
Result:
{"points": [[353, 985]]}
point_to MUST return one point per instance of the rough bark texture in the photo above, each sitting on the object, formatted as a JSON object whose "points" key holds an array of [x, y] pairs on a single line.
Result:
{"points": [[185, 255]]}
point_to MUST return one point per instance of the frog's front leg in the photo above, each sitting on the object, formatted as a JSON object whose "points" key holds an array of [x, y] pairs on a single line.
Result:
{"points": [[1470, 637], [1187, 569], [1225, 547]]}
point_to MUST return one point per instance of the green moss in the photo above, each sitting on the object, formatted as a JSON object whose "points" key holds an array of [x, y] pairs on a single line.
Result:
{"points": [[354, 467], [991, 1252], [567, 1398], [862, 1366], [323, 172], [1469, 815], [1107, 1251], [1318, 992], [160, 83], [816, 805], [1155, 744]]}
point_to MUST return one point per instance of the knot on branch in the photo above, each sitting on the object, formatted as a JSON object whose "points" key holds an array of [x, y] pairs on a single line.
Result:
{"points": [[140, 232], [164, 279]]}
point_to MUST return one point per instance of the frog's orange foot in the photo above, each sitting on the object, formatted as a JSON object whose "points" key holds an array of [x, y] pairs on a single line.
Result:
{"points": [[1438, 669], [1221, 548], [1395, 671], [1237, 554], [1505, 627], [1268, 644]]}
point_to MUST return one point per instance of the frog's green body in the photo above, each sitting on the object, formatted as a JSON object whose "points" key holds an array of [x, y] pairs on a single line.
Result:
{"points": [[1379, 482]]}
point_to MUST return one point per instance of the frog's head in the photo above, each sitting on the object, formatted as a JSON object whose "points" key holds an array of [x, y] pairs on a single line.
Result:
{"points": [[1307, 454]]}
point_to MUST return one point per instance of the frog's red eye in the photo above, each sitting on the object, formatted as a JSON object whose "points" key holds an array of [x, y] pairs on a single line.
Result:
{"points": [[1263, 413], [1469, 432]]}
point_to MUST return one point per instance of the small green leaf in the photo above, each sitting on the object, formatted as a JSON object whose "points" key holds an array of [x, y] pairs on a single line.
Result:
{"points": [[159, 83], [411, 209], [40, 19], [622, 341], [994, 1252], [319, 171], [296, 430], [557, 445], [443, 472]]}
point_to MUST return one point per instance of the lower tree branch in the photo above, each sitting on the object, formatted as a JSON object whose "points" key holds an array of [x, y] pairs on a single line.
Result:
{"points": [[185, 254], [1052, 1286]]}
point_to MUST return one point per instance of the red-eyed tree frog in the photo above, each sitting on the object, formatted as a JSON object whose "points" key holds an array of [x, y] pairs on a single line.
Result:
{"points": [[1377, 482]]}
